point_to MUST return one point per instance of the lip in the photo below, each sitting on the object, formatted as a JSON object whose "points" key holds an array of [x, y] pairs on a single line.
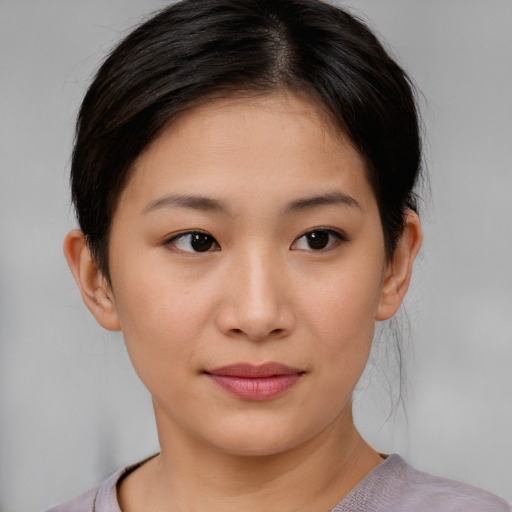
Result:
{"points": [[255, 382]]}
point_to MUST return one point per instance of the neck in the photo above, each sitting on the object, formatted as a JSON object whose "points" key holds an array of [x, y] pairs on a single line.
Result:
{"points": [[192, 476]]}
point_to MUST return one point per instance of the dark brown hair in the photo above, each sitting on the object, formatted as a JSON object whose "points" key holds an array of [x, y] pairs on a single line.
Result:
{"points": [[196, 50]]}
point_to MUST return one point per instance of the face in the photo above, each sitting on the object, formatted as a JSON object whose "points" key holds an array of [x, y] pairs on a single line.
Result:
{"points": [[247, 266]]}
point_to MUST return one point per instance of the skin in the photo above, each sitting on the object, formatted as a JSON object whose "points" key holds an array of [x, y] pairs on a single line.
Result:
{"points": [[260, 294]]}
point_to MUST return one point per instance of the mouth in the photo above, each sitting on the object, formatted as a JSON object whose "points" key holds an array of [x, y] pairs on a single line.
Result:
{"points": [[255, 382]]}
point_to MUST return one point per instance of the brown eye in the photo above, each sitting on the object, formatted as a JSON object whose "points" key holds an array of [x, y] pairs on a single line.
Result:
{"points": [[318, 240], [201, 242], [194, 241]]}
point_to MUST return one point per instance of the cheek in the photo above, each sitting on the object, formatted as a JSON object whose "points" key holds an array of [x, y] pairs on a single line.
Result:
{"points": [[162, 319], [341, 310]]}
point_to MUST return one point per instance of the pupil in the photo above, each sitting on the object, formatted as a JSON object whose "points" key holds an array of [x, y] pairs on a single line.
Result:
{"points": [[201, 242], [318, 239]]}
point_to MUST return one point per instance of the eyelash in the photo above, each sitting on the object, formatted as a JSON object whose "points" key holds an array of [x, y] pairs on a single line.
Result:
{"points": [[197, 234], [209, 241], [334, 238]]}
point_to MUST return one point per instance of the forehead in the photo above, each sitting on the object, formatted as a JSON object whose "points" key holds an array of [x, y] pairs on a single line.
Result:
{"points": [[272, 146]]}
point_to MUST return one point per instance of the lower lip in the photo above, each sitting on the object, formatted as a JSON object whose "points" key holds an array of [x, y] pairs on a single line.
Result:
{"points": [[256, 389]]}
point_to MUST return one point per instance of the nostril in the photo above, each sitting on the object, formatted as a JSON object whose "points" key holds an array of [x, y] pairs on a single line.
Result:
{"points": [[273, 333]]}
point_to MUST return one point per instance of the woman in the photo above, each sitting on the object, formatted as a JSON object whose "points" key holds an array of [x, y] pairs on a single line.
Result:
{"points": [[244, 176]]}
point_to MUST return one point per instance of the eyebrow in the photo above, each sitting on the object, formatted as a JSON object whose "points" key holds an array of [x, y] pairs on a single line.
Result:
{"points": [[332, 198], [193, 202], [208, 204]]}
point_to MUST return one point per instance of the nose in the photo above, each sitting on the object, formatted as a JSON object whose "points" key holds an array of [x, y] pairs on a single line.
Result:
{"points": [[257, 302]]}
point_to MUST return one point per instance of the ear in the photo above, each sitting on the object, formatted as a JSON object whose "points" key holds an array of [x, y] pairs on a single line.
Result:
{"points": [[93, 285], [399, 269]]}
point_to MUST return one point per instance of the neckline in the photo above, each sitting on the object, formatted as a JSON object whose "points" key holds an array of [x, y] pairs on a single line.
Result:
{"points": [[106, 497]]}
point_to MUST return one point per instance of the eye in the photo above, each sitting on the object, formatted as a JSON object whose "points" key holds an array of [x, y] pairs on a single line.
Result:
{"points": [[194, 241], [318, 240]]}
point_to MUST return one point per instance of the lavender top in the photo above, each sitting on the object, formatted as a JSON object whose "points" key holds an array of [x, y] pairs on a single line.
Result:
{"points": [[393, 486]]}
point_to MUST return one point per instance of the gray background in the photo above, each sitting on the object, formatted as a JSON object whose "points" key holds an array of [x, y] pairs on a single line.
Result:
{"points": [[72, 409]]}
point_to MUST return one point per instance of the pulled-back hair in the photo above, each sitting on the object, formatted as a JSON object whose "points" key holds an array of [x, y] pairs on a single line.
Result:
{"points": [[196, 50]]}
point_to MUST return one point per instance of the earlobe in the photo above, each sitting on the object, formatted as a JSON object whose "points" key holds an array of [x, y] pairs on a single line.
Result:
{"points": [[94, 287], [399, 269]]}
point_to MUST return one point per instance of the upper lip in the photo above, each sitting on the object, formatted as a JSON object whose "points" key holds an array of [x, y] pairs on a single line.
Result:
{"points": [[247, 370]]}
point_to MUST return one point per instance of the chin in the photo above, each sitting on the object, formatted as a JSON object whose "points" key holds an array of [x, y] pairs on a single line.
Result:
{"points": [[255, 447], [259, 440]]}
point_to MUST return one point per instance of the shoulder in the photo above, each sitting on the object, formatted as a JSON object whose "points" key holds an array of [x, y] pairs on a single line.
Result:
{"points": [[395, 486], [411, 489], [82, 503], [100, 499]]}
